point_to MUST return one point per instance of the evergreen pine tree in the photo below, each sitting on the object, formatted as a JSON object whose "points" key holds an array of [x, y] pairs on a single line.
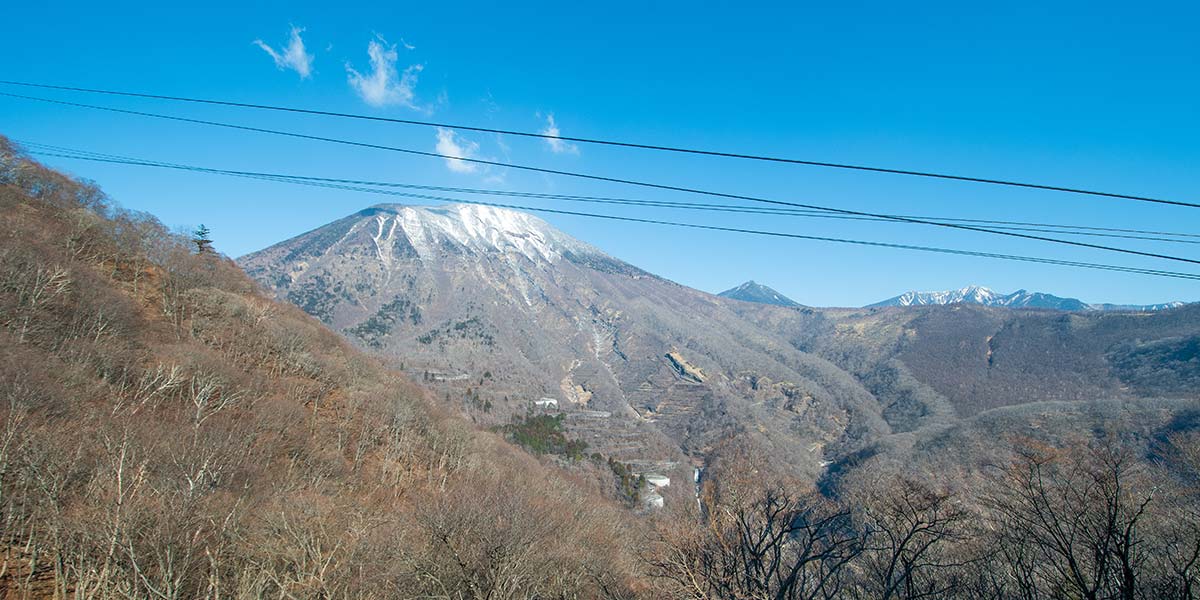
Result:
{"points": [[201, 238]]}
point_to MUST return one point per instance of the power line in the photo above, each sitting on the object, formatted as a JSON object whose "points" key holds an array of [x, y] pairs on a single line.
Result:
{"points": [[615, 143], [310, 181], [632, 182], [1006, 225], [1043, 227]]}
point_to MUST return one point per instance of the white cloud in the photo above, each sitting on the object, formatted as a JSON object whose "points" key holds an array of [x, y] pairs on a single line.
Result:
{"points": [[293, 57], [452, 145], [384, 85], [557, 145], [495, 175]]}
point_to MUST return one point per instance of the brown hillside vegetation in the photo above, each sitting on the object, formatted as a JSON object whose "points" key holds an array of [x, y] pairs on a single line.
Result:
{"points": [[1093, 521], [168, 432]]}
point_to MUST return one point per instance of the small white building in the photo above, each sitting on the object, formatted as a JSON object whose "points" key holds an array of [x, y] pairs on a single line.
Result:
{"points": [[546, 403]]}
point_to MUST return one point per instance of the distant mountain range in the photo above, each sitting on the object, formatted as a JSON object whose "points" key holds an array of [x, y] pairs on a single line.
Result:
{"points": [[756, 292], [752, 291], [1018, 299]]}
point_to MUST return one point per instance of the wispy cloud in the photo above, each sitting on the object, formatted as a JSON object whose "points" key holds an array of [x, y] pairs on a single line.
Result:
{"points": [[557, 145], [383, 85], [453, 145], [499, 175], [293, 56]]}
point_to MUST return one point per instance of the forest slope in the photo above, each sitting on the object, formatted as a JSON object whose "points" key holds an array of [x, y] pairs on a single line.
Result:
{"points": [[168, 432]]}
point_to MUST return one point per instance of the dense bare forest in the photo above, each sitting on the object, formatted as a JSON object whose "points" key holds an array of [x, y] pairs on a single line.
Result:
{"points": [[166, 431]]}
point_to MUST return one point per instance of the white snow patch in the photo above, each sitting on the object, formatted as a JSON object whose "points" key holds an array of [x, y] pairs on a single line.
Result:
{"points": [[485, 229]]}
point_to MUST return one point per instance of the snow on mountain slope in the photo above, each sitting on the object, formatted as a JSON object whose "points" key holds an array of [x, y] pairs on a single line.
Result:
{"points": [[482, 229], [971, 294], [1018, 299], [487, 228]]}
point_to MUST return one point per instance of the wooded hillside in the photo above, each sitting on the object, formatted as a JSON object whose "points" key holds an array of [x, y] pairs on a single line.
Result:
{"points": [[168, 432]]}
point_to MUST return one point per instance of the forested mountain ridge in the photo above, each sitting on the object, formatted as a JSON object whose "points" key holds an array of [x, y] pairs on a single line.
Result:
{"points": [[963, 358]]}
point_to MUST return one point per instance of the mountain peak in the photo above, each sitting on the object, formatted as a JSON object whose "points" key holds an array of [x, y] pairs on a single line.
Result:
{"points": [[389, 245], [752, 291], [975, 294], [427, 230]]}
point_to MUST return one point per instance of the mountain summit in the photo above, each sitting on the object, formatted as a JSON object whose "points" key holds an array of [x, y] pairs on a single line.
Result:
{"points": [[402, 230], [1019, 299], [752, 291]]}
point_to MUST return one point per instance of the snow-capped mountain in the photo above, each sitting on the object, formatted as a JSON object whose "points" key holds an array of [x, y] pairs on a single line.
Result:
{"points": [[426, 231], [1018, 299], [970, 294], [503, 303], [757, 292]]}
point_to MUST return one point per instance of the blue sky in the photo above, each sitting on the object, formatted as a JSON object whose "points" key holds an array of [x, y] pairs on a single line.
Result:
{"points": [[1099, 95]]}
